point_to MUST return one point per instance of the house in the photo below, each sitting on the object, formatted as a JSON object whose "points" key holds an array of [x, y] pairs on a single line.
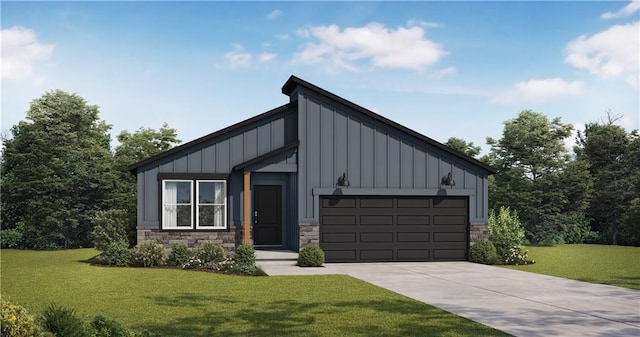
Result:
{"points": [[319, 169]]}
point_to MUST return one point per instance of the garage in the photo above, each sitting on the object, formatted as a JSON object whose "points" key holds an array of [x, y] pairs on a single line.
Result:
{"points": [[393, 228]]}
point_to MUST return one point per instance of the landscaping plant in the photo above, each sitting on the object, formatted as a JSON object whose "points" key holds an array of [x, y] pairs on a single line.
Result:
{"points": [[16, 321], [179, 255], [62, 321], [149, 254], [505, 230], [244, 261], [117, 254], [483, 252], [210, 253], [311, 255]]}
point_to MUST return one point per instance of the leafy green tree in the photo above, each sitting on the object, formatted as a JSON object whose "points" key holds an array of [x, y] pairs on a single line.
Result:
{"points": [[536, 177], [57, 170], [613, 157], [134, 147], [461, 145]]}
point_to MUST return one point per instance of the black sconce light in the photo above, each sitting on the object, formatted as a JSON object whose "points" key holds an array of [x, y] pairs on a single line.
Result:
{"points": [[448, 180], [343, 181]]}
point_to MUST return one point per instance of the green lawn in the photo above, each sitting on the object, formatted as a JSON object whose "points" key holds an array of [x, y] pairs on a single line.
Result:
{"points": [[190, 303], [614, 265]]}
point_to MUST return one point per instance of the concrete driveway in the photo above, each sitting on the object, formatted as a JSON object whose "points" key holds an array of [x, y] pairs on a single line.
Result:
{"points": [[516, 302]]}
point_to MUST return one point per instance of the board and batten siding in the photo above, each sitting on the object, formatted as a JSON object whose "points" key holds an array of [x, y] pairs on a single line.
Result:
{"points": [[378, 159], [219, 155]]}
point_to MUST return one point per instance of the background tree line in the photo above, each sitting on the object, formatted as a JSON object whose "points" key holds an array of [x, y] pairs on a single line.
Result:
{"points": [[64, 186], [61, 181], [588, 195]]}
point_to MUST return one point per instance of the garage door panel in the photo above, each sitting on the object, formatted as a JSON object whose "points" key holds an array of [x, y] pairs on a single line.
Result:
{"points": [[413, 220], [338, 203], [449, 220], [376, 255], [376, 220], [376, 203], [376, 237], [398, 230], [339, 237], [338, 220], [413, 254], [413, 237], [449, 237], [340, 255]]}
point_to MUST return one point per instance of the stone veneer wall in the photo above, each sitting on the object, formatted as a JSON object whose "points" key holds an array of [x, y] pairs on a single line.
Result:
{"points": [[228, 239], [309, 233], [477, 232]]}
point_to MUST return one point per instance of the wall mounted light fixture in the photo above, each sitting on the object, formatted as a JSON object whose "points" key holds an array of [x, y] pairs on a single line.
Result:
{"points": [[448, 180], [343, 181]]}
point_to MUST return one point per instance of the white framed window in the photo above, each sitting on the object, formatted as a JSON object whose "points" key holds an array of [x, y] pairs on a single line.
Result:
{"points": [[211, 206], [194, 204]]}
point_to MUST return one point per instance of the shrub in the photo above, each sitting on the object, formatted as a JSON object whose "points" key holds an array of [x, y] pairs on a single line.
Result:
{"points": [[210, 253], [310, 255], [148, 254], [106, 327], [179, 255], [16, 321], [62, 322], [109, 227], [518, 255], [245, 258], [483, 252], [505, 230], [117, 254], [10, 238]]}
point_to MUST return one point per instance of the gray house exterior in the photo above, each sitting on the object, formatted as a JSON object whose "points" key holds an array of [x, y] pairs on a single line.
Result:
{"points": [[281, 171]]}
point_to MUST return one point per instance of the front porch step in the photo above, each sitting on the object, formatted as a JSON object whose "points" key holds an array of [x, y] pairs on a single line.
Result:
{"points": [[276, 255]]}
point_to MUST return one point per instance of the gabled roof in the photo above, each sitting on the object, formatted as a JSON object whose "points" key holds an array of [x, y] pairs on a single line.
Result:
{"points": [[294, 82], [134, 167], [278, 151]]}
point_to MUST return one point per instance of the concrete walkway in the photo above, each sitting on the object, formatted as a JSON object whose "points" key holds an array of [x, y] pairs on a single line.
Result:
{"points": [[516, 302]]}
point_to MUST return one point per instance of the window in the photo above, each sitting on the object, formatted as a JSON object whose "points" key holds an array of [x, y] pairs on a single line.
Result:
{"points": [[194, 204]]}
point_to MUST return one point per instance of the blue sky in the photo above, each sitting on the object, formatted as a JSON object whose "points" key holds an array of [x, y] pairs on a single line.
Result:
{"points": [[444, 69]]}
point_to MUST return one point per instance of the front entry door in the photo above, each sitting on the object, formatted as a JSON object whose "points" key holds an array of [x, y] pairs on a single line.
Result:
{"points": [[267, 215]]}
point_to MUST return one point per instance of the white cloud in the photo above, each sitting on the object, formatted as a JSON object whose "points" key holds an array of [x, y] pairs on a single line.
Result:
{"points": [[266, 57], [444, 72], [540, 91], [238, 57], [20, 51], [610, 54], [274, 14], [282, 36], [627, 10], [401, 48]]}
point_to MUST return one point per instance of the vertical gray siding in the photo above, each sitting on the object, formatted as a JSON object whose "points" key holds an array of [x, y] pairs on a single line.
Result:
{"points": [[218, 156], [376, 157]]}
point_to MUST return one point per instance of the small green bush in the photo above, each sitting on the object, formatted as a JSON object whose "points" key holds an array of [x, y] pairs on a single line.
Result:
{"points": [[310, 255], [16, 321], [102, 326], [245, 256], [210, 253], [11, 238], [62, 322], [505, 230], [117, 254], [483, 252], [179, 255], [149, 254]]}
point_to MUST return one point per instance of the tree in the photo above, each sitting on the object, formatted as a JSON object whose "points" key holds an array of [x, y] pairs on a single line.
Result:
{"points": [[612, 155], [57, 170], [134, 147], [535, 177], [461, 145]]}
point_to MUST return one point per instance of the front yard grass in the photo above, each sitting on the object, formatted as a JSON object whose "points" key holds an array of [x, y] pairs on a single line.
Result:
{"points": [[613, 265], [175, 302]]}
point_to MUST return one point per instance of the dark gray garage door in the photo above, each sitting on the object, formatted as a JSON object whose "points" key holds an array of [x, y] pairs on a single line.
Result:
{"points": [[360, 229]]}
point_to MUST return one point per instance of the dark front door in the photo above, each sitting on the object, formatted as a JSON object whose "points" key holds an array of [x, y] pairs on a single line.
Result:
{"points": [[267, 215]]}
